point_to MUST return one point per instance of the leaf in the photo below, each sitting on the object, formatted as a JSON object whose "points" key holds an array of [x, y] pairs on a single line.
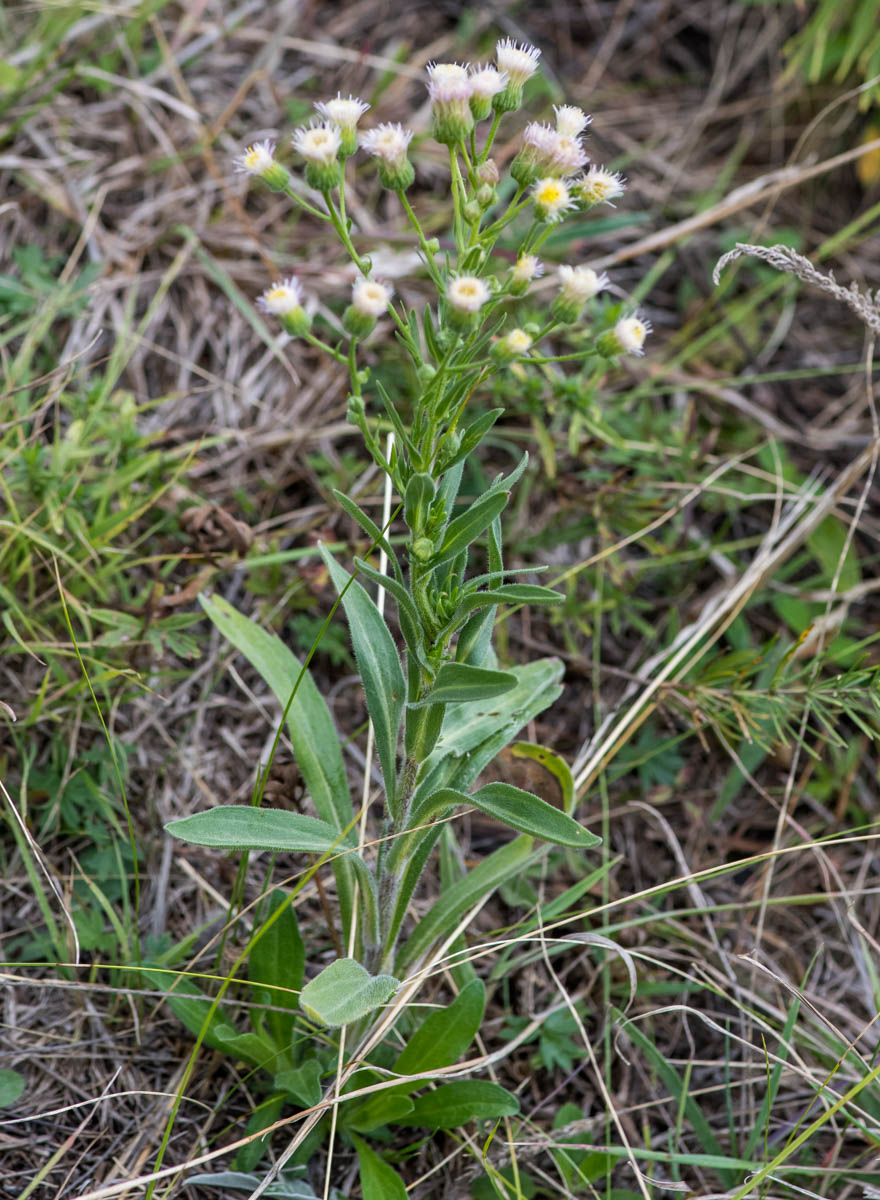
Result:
{"points": [[384, 1108], [11, 1087], [463, 684], [344, 992], [463, 1100], [370, 528], [417, 502], [378, 1180], [289, 1186], [251, 1047], [242, 827], [275, 962], [379, 665], [443, 916], [444, 1036], [262, 1117], [520, 810], [464, 530], [555, 764], [302, 1083], [201, 1016], [309, 724], [511, 593]]}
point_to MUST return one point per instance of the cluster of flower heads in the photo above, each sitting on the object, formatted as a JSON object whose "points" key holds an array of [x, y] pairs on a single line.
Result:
{"points": [[551, 164]]}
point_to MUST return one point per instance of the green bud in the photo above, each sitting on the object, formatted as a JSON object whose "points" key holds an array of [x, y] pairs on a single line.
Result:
{"points": [[433, 245], [425, 374], [357, 324], [423, 549], [486, 196], [472, 212], [276, 177], [356, 411]]}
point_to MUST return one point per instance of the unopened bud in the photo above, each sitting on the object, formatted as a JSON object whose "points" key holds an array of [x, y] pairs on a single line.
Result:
{"points": [[423, 549]]}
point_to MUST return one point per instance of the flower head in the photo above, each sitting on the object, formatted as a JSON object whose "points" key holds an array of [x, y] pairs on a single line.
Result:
{"points": [[552, 200], [388, 143], [577, 285], [449, 87], [259, 159], [570, 120], [285, 301], [319, 145], [485, 83], [345, 114], [466, 295], [598, 186], [546, 152], [518, 63], [513, 345], [630, 333], [527, 268], [369, 300]]}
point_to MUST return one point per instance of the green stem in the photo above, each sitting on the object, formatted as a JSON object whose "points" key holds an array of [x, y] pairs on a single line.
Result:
{"points": [[490, 137], [320, 345], [340, 225], [458, 197], [304, 204], [420, 234]]}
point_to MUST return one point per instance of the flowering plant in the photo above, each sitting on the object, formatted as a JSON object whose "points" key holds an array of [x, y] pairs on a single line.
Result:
{"points": [[440, 707]]}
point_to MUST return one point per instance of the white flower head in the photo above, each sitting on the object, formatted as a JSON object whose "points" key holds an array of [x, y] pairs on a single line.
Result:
{"points": [[519, 63], [568, 155], [552, 199], [540, 139], [448, 74], [318, 144], [467, 293], [281, 298], [486, 82], [370, 297], [518, 341], [257, 159], [570, 120], [527, 268], [342, 112], [579, 284], [630, 333], [599, 186], [388, 142]]}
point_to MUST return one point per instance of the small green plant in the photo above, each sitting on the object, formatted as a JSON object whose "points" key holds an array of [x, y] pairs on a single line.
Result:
{"points": [[442, 709]]}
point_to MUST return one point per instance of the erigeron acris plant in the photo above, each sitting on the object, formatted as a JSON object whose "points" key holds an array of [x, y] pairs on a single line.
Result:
{"points": [[440, 707]]}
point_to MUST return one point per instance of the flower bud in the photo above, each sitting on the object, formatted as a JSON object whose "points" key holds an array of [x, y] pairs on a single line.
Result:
{"points": [[423, 549], [369, 300], [344, 114], [518, 63], [425, 374], [284, 301], [527, 268], [388, 144], [487, 172], [472, 212], [259, 159], [578, 285], [514, 345], [486, 196], [450, 90], [319, 145], [485, 83], [627, 337]]}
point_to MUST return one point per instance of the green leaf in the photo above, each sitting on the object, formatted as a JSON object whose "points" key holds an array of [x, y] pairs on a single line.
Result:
{"points": [[417, 502], [302, 1083], [463, 684], [383, 1108], [378, 1180], [276, 961], [242, 827], [511, 593], [444, 1036], [379, 665], [262, 1117], [444, 915], [464, 530], [288, 1186], [194, 1011], [11, 1087], [370, 528], [453, 1104], [344, 992], [555, 764], [511, 805], [312, 732]]}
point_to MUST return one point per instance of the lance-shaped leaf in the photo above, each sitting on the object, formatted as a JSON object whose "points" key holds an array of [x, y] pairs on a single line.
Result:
{"points": [[465, 529], [312, 732], [444, 1036], [444, 915], [379, 1181], [381, 672], [463, 1100], [241, 827], [511, 805], [462, 684], [419, 497], [370, 528], [275, 965], [474, 434], [344, 992]]}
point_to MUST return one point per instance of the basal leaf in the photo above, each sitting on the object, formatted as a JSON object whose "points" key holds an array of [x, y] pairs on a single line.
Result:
{"points": [[378, 1180], [344, 992], [444, 1036], [463, 1100], [242, 827]]}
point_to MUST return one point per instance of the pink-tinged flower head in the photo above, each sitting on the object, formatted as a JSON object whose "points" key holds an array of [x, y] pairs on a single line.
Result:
{"points": [[518, 63], [486, 83], [344, 114], [449, 87], [568, 155], [570, 120], [546, 152], [388, 144]]}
